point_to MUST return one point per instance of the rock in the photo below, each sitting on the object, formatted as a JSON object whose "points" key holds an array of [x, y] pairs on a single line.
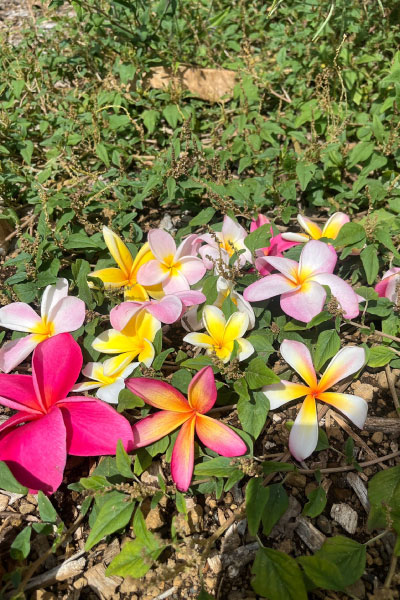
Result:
{"points": [[150, 476], [166, 223], [365, 390], [381, 380], [345, 516], [5, 230], [377, 437], [42, 595], [154, 519], [129, 585], [310, 535], [3, 502], [26, 508], [215, 564], [324, 524], [111, 551], [296, 480], [103, 586]]}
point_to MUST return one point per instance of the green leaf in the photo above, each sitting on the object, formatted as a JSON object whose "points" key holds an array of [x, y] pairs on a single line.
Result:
{"points": [[80, 270], [114, 514], [150, 118], [8, 481], [21, 545], [276, 506], [328, 345], [349, 235], [339, 563], [369, 259], [384, 498], [124, 463], [27, 151], [277, 576], [159, 360], [316, 503], [256, 498], [258, 374], [215, 467], [258, 238], [305, 173], [46, 509], [203, 217], [272, 466], [379, 356], [360, 153], [253, 413], [101, 152]]}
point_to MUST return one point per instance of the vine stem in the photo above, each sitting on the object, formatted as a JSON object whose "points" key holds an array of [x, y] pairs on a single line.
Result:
{"points": [[375, 332]]}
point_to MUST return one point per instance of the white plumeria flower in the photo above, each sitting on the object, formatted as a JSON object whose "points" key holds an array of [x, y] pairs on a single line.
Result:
{"points": [[59, 313], [222, 244], [314, 232], [108, 386]]}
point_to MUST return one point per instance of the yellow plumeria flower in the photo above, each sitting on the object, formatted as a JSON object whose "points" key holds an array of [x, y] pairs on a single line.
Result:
{"points": [[108, 386], [314, 232], [222, 334], [135, 340], [125, 276]]}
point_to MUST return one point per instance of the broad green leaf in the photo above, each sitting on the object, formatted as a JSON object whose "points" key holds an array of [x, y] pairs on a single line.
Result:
{"points": [[114, 514], [328, 345], [258, 374], [258, 238], [277, 576], [21, 545], [46, 509], [134, 560], [384, 498], [215, 467], [101, 152], [305, 173], [349, 235], [123, 461], [253, 413], [379, 356], [360, 153], [369, 259], [203, 217], [256, 498], [316, 503], [276, 506], [8, 481]]}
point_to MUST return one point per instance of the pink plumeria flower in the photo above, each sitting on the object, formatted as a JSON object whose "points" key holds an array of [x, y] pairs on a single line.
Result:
{"points": [[59, 313], [389, 286], [175, 268], [222, 244], [314, 232], [277, 245], [300, 285], [304, 433], [167, 310], [189, 414], [50, 424], [109, 382]]}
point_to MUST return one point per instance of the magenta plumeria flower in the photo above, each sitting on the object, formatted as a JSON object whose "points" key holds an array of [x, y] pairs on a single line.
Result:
{"points": [[304, 433], [190, 415], [59, 313], [50, 424], [300, 285], [277, 245], [176, 269], [222, 244], [167, 310], [389, 286]]}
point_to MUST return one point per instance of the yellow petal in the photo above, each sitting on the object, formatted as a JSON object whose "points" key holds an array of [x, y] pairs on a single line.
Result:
{"points": [[142, 257], [115, 342], [147, 354], [214, 322], [119, 251], [111, 277], [236, 326], [309, 227], [135, 293]]}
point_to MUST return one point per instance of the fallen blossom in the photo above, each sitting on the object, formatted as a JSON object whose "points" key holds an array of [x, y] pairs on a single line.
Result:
{"points": [[314, 232], [389, 286], [276, 246], [106, 381], [221, 245]]}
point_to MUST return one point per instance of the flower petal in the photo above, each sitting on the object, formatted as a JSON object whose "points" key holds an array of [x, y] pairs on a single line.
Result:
{"points": [[142, 257], [245, 349], [334, 225], [19, 316], [219, 437], [152, 428], [298, 356], [295, 237], [244, 307], [231, 230], [14, 352], [202, 392], [136, 293], [316, 257], [311, 228], [147, 354], [84, 386], [116, 342], [17, 419], [167, 310], [158, 394], [380, 287], [259, 222], [272, 285], [236, 326], [117, 363], [56, 365], [286, 266], [191, 297], [392, 290], [152, 273], [51, 296], [346, 362], [94, 428], [202, 340], [214, 322], [211, 256], [192, 268], [121, 314], [303, 304], [68, 315], [111, 277], [175, 282], [353, 407], [36, 452], [17, 392], [284, 391], [162, 245], [109, 393], [118, 250], [188, 246], [277, 245], [303, 436], [183, 456], [342, 291]]}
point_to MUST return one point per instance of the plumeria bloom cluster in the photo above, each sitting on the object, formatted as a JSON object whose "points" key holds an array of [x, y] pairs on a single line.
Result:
{"points": [[277, 245], [220, 245]]}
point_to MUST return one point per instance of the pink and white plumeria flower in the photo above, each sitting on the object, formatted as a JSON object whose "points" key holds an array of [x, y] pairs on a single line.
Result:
{"points": [[189, 415], [49, 424], [304, 433], [300, 285], [59, 313], [390, 284], [167, 310], [277, 245], [314, 232], [222, 244], [176, 269], [107, 381]]}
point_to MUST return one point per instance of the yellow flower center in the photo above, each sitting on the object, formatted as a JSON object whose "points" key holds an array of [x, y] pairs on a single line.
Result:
{"points": [[45, 328]]}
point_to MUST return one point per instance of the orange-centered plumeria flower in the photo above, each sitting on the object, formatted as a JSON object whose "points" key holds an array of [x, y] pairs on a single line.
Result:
{"points": [[125, 275], [304, 433], [189, 414], [222, 334], [59, 313], [314, 232]]}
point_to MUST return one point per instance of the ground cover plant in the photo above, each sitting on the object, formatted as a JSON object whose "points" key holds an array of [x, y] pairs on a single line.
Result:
{"points": [[199, 322]]}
